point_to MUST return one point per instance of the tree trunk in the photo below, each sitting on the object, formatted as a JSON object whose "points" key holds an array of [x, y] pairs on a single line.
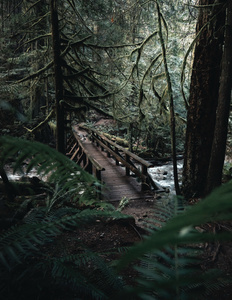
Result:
{"points": [[37, 89], [8, 187], [60, 131], [203, 100], [223, 109], [171, 104]]}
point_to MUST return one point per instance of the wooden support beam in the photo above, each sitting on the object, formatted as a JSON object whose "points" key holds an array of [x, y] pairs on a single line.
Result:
{"points": [[113, 149], [123, 161]]}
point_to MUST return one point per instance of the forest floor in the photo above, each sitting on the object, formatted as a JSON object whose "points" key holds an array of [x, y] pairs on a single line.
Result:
{"points": [[109, 236]]}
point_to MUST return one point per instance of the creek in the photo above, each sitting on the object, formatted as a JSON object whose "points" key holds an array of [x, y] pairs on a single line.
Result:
{"points": [[163, 175]]}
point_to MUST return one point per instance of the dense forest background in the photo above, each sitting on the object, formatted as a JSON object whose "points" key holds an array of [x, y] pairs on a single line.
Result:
{"points": [[111, 62], [162, 71], [132, 61]]}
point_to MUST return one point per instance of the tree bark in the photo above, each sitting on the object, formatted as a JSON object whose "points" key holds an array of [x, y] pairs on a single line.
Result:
{"points": [[8, 187], [203, 99], [223, 109], [60, 128]]}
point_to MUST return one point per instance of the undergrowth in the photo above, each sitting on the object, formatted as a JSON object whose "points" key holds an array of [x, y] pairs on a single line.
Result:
{"points": [[167, 260]]}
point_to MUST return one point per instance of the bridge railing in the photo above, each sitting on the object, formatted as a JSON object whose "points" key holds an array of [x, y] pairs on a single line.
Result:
{"points": [[121, 155], [78, 153]]}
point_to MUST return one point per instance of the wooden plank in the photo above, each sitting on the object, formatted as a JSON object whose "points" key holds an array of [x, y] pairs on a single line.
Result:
{"points": [[136, 157], [91, 158], [116, 184], [124, 162]]}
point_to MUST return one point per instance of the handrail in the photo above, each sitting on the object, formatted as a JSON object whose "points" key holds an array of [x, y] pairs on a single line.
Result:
{"points": [[83, 157], [114, 149]]}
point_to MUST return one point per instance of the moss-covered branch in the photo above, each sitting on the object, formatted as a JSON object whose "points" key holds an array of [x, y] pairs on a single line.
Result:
{"points": [[41, 124]]}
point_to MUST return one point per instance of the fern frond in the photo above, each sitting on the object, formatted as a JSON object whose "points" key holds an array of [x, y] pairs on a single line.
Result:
{"points": [[178, 229], [66, 274], [20, 240], [42, 157], [68, 177], [169, 268]]}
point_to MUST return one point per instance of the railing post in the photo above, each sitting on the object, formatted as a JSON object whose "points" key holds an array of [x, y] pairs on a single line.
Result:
{"points": [[114, 150], [98, 176], [144, 185], [108, 153], [127, 169], [96, 139], [117, 162], [89, 167], [84, 159]]}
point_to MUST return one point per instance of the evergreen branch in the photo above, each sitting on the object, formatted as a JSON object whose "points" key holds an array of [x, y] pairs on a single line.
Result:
{"points": [[113, 46], [36, 38], [165, 25], [76, 73], [80, 42], [42, 70], [203, 6], [146, 74], [39, 19], [41, 124], [31, 7], [37, 73], [147, 39], [72, 4]]}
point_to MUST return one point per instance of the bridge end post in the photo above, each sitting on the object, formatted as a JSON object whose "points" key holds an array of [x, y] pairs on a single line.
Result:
{"points": [[97, 174], [145, 184], [128, 161], [116, 161]]}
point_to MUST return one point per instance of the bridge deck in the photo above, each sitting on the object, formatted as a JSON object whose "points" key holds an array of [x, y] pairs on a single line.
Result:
{"points": [[116, 184]]}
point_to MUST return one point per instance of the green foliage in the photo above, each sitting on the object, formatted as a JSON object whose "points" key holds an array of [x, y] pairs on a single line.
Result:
{"points": [[168, 257], [26, 270], [169, 268], [58, 169], [181, 228], [21, 256], [111, 58], [131, 85]]}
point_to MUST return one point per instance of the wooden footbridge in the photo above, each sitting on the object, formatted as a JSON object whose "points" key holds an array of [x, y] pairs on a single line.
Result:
{"points": [[122, 173]]}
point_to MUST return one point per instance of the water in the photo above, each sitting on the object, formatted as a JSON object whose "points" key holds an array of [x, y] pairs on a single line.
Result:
{"points": [[19, 175], [163, 175]]}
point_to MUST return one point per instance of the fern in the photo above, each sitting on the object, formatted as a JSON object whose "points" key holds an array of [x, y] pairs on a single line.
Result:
{"points": [[42, 157], [169, 268], [65, 274], [19, 240], [21, 258], [94, 284], [163, 272], [22, 244], [170, 273], [58, 169], [20, 253]]}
